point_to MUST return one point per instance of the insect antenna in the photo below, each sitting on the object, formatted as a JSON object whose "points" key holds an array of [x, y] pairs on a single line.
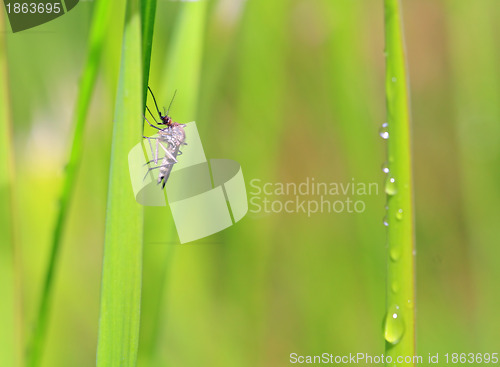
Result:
{"points": [[172, 101]]}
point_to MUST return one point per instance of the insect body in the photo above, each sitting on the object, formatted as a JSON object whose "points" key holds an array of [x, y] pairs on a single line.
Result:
{"points": [[169, 140]]}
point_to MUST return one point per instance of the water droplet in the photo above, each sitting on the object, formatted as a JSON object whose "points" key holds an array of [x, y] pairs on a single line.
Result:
{"points": [[386, 221], [383, 131], [385, 167], [394, 326], [394, 79], [395, 287], [386, 207], [399, 214], [394, 253], [409, 304], [390, 186]]}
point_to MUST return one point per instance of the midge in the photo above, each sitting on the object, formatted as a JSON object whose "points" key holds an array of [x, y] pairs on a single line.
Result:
{"points": [[172, 135]]}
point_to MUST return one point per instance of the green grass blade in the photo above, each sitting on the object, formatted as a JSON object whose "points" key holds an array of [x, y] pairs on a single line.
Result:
{"points": [[349, 82], [97, 35], [399, 325], [9, 332], [473, 40], [122, 264], [148, 11], [184, 58], [182, 73]]}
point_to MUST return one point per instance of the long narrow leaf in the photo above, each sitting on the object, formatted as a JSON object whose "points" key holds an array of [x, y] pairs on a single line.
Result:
{"points": [[9, 337], [474, 49], [181, 73], [184, 59], [148, 11], [399, 328], [97, 34], [122, 264]]}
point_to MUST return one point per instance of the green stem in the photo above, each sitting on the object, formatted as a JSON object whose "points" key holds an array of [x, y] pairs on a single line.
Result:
{"points": [[184, 58], [97, 35], [119, 320], [10, 338], [399, 328], [148, 11], [476, 92], [183, 55]]}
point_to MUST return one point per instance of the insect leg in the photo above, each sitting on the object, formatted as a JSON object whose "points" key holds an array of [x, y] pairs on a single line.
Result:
{"points": [[152, 153], [154, 100], [150, 169], [156, 122], [156, 156], [150, 124], [148, 162], [151, 147]]}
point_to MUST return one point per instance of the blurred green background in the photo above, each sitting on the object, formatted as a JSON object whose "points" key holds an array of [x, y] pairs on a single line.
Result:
{"points": [[290, 89]]}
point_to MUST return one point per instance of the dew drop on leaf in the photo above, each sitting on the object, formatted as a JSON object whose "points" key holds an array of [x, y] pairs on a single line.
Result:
{"points": [[385, 167], [399, 214], [390, 186], [394, 253], [394, 326], [383, 131]]}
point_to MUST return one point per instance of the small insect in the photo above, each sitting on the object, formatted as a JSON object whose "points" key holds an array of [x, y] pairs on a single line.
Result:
{"points": [[173, 136]]}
